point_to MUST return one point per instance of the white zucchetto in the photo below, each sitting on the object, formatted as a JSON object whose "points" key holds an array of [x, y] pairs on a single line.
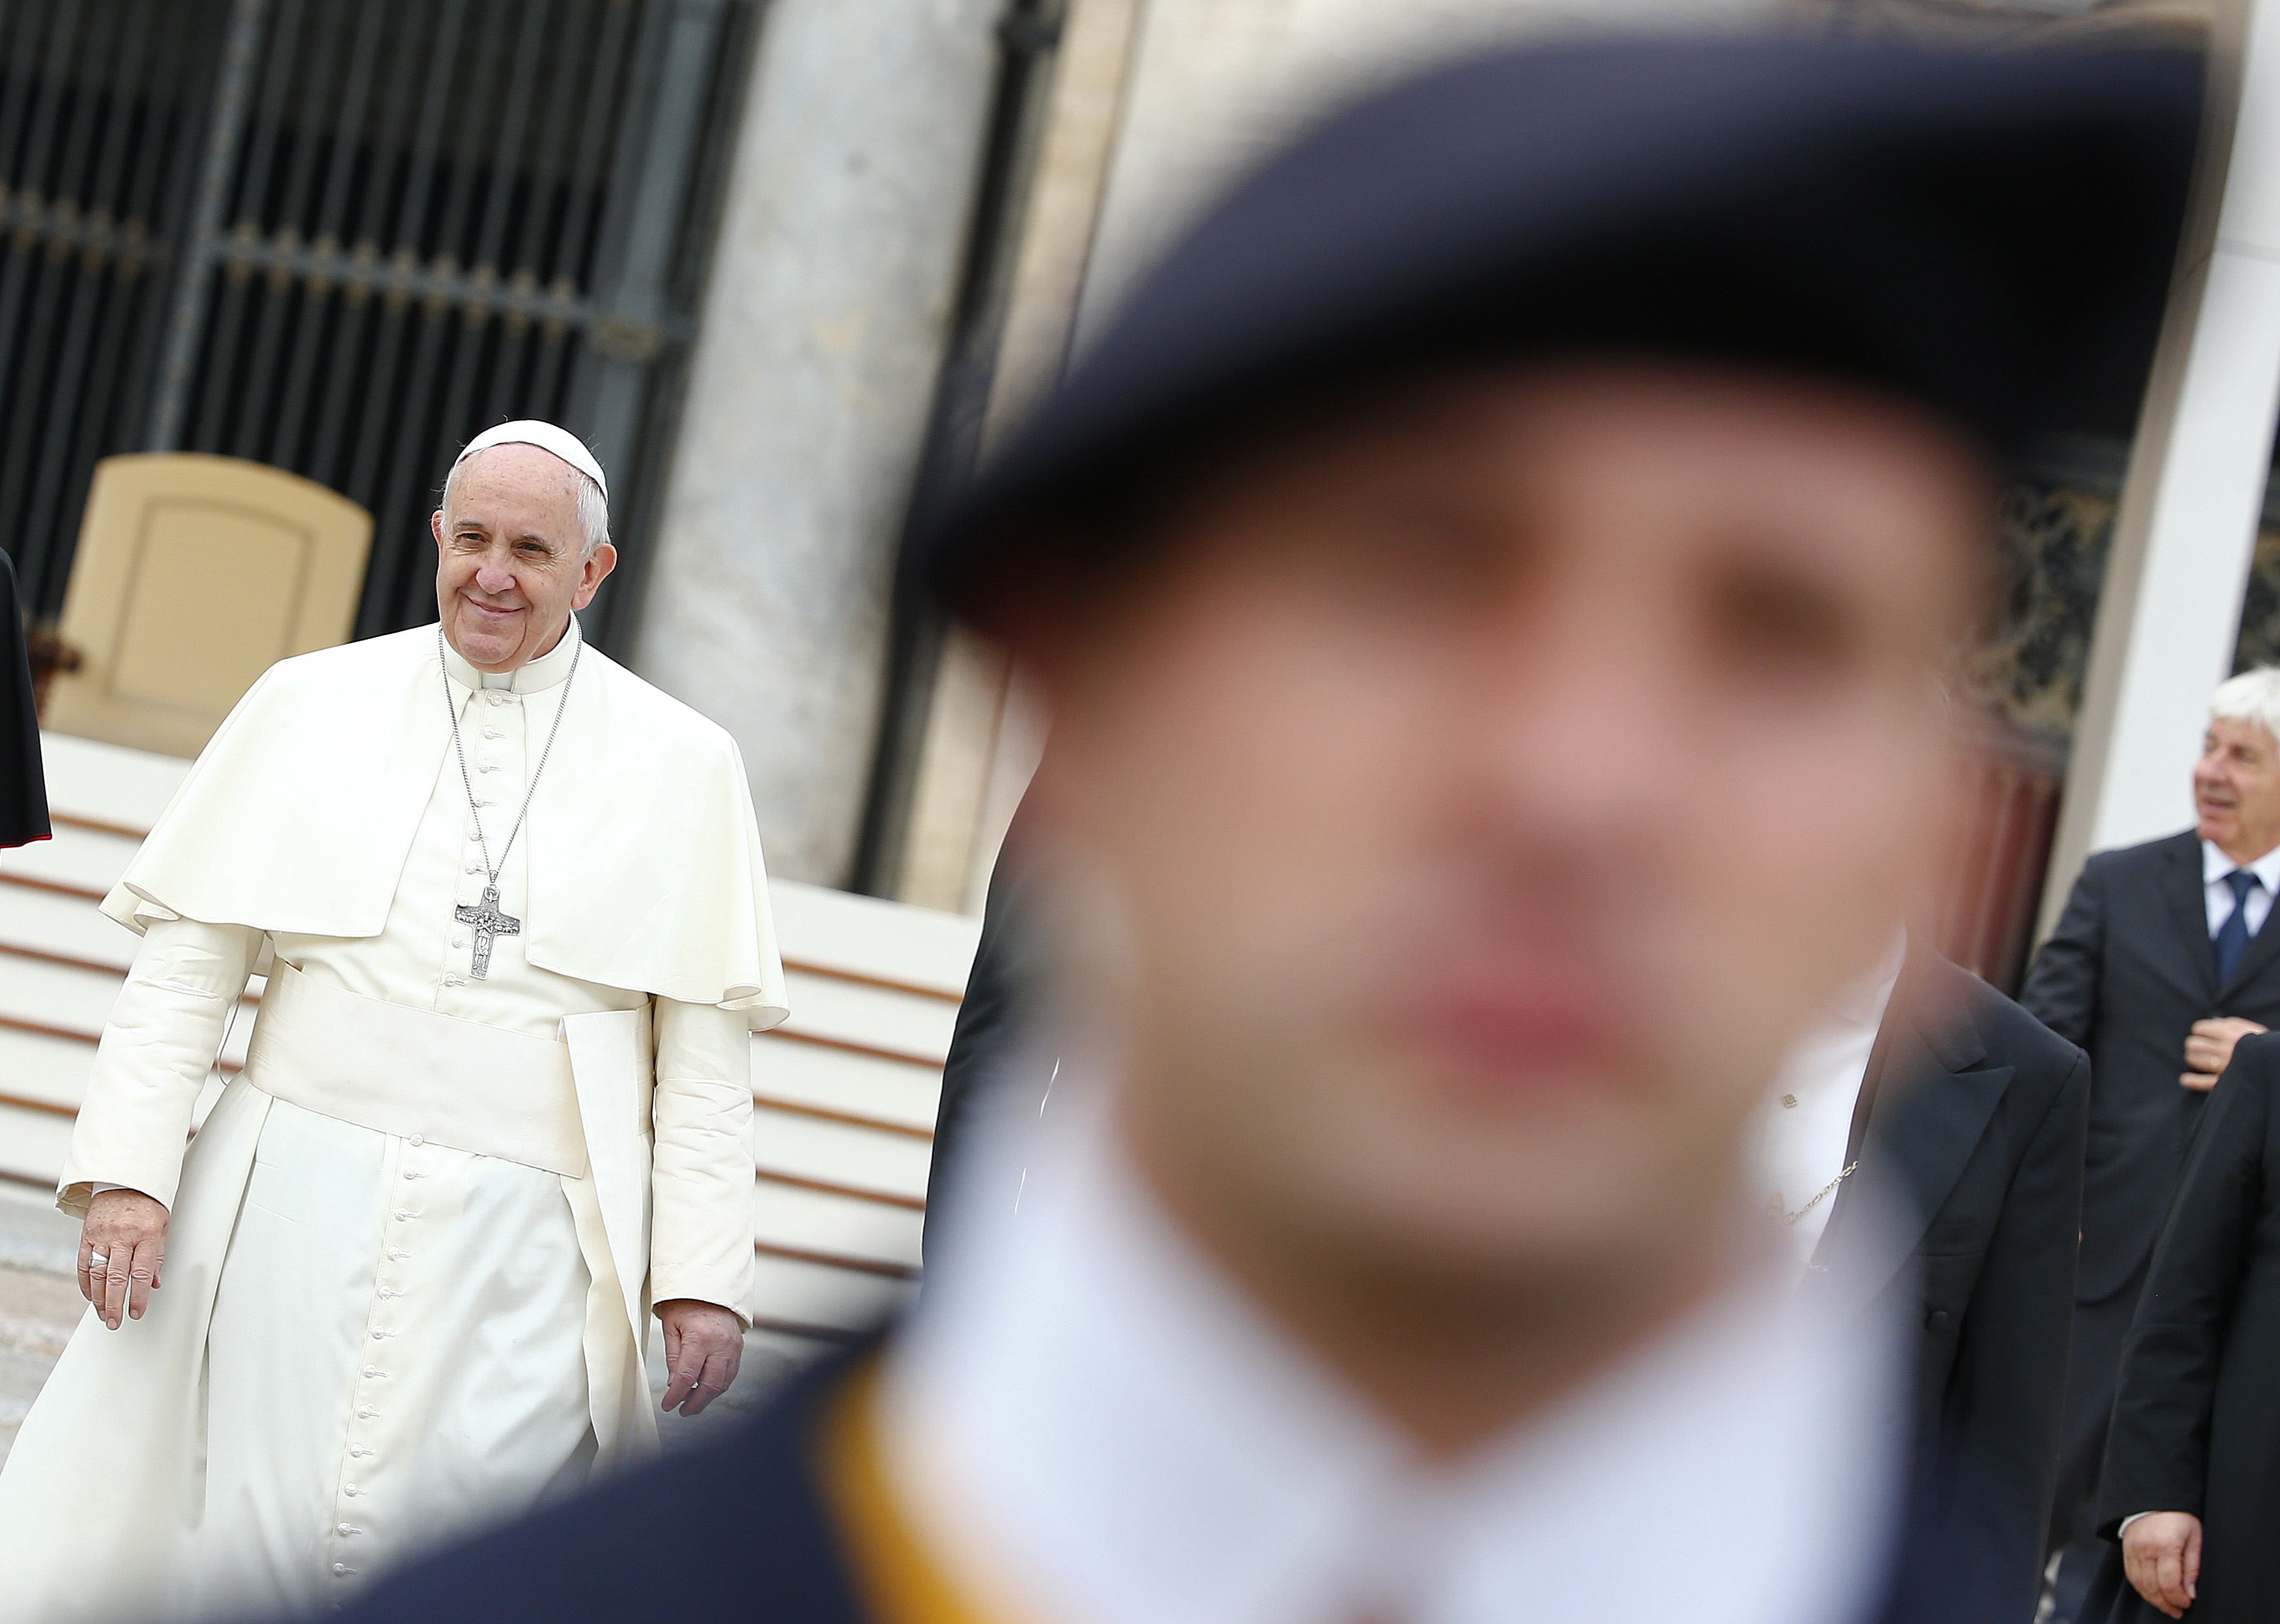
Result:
{"points": [[547, 437]]}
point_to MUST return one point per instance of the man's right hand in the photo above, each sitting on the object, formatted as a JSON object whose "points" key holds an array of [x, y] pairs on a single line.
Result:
{"points": [[120, 1252], [2161, 1553], [2209, 1046]]}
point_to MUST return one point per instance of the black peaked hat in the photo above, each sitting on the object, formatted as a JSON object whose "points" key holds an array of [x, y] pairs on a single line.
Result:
{"points": [[1991, 234]]}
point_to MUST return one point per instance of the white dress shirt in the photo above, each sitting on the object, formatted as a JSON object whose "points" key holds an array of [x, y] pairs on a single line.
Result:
{"points": [[2216, 866], [1806, 1123], [1089, 1423]]}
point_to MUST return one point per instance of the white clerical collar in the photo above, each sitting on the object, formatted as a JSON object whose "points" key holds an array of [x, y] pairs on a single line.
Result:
{"points": [[1090, 1423], [533, 676], [2216, 866]]}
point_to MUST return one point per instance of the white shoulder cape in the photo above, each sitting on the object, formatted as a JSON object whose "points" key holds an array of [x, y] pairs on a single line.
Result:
{"points": [[645, 869]]}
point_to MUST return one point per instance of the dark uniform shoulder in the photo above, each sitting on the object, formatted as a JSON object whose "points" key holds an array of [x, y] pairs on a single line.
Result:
{"points": [[2010, 1028], [2013, 1036]]}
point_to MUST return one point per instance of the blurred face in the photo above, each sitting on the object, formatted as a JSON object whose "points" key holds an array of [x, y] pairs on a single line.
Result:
{"points": [[1487, 793], [511, 560], [2237, 790]]}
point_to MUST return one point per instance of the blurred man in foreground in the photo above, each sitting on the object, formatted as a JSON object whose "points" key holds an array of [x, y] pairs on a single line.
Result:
{"points": [[1486, 585], [2158, 965]]}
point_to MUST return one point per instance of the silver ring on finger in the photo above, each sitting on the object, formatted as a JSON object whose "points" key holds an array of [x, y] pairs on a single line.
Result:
{"points": [[96, 1259]]}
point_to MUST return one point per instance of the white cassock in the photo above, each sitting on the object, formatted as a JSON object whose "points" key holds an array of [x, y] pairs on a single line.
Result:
{"points": [[413, 1246]]}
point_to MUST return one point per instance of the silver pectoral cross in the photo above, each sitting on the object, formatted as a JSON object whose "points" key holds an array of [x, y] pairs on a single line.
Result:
{"points": [[489, 922]]}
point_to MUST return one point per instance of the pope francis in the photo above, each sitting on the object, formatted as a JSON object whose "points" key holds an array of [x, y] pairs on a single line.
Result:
{"points": [[497, 1100]]}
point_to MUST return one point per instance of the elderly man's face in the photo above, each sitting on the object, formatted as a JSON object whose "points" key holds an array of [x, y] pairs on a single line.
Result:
{"points": [[511, 560], [1486, 794], [2237, 790]]}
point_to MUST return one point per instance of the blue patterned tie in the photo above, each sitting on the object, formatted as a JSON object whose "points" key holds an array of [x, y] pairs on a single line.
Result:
{"points": [[2232, 935]]}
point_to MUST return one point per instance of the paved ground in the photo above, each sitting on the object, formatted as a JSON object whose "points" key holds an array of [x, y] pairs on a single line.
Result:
{"points": [[36, 1313], [39, 1304]]}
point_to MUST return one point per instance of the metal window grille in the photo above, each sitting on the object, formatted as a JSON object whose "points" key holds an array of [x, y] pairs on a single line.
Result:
{"points": [[342, 236]]}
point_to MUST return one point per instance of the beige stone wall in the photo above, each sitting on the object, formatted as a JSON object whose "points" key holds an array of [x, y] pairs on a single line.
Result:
{"points": [[1216, 84]]}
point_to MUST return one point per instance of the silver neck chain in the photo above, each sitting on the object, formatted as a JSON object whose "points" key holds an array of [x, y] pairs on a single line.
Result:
{"points": [[451, 708]]}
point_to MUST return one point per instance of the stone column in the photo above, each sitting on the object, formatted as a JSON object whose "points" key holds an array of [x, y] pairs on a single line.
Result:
{"points": [[822, 330], [2168, 617], [981, 742]]}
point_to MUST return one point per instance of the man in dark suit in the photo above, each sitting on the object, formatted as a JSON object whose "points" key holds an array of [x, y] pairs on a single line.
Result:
{"points": [[1969, 1120], [992, 1040], [2189, 1487], [1485, 584], [2157, 966], [23, 784]]}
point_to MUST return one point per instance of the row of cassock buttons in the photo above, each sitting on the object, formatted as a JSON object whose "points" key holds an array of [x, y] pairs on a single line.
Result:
{"points": [[386, 1292]]}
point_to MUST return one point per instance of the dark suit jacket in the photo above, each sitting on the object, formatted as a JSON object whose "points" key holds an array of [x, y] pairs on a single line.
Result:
{"points": [[23, 786], [988, 1033], [738, 1528], [1971, 1129], [2126, 973], [2196, 1419], [993, 1025]]}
